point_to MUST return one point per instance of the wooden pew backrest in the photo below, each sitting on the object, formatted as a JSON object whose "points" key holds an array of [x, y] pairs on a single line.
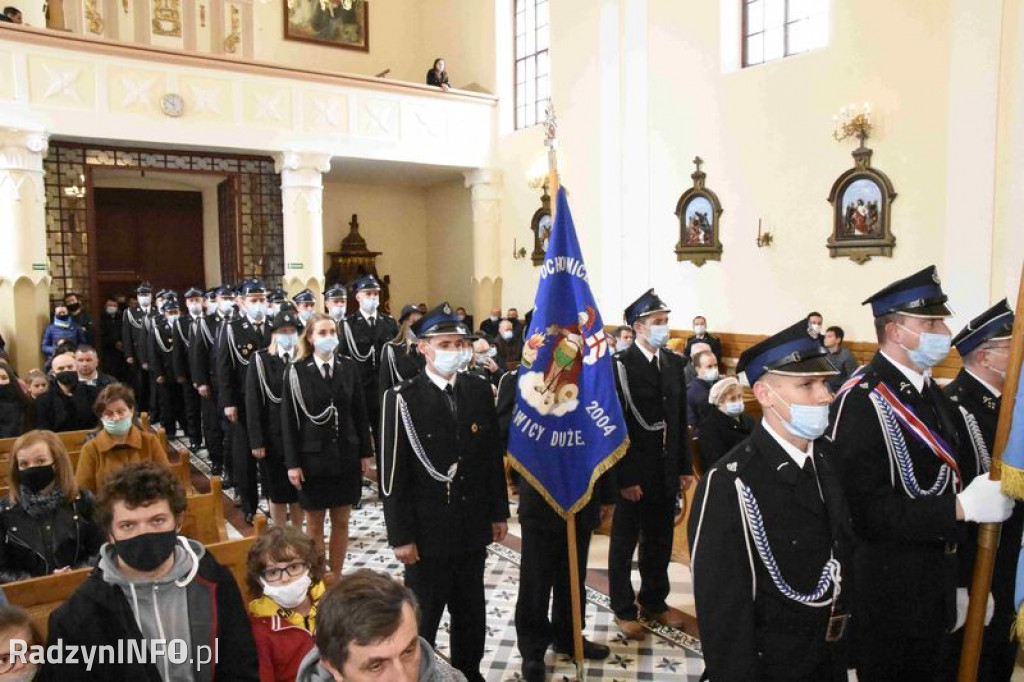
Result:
{"points": [[42, 596], [204, 516], [234, 555]]}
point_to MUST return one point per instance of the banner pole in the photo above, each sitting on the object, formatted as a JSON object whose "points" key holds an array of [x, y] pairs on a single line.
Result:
{"points": [[988, 533], [577, 598]]}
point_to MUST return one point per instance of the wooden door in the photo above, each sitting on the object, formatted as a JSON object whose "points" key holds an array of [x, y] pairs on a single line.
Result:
{"points": [[147, 235], [230, 234]]}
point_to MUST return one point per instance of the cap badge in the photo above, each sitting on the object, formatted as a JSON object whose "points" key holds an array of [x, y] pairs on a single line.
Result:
{"points": [[731, 466], [447, 309], [935, 278]]}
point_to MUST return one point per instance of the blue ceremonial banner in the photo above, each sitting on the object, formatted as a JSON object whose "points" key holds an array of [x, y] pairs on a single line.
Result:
{"points": [[567, 428], [1013, 461]]}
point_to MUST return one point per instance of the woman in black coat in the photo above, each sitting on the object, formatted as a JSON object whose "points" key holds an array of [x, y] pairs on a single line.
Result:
{"points": [[264, 383], [46, 522], [15, 405], [725, 426], [327, 445], [437, 76], [399, 359]]}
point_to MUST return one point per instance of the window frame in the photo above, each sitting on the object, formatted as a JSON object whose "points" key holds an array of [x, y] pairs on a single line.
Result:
{"points": [[745, 35], [526, 58]]}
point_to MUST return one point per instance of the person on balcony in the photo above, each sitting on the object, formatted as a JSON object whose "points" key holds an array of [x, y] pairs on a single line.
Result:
{"points": [[438, 76]]}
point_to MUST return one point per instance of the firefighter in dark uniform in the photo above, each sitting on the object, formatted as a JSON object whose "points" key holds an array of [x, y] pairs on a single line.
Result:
{"points": [[976, 393], [240, 338], [202, 365], [336, 306], [161, 365], [263, 397], [305, 307], [443, 486], [895, 438], [544, 567], [186, 330], [134, 337], [649, 380], [362, 337], [399, 359], [275, 299], [770, 536]]}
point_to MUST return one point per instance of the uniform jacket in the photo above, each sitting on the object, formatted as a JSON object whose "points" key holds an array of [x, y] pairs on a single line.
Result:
{"points": [[367, 341], [750, 630], [719, 433], [263, 411], [906, 566], [185, 331], [335, 448], [135, 326], [203, 351], [161, 350], [239, 340], [398, 362], [98, 614], [971, 396], [653, 457], [74, 540], [420, 510]]}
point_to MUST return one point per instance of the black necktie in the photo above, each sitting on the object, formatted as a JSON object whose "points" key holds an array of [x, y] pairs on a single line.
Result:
{"points": [[449, 394], [654, 363], [373, 322], [327, 372], [286, 358], [259, 329]]}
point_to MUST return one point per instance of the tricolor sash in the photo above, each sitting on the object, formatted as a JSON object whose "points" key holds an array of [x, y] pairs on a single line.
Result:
{"points": [[849, 383], [922, 432]]}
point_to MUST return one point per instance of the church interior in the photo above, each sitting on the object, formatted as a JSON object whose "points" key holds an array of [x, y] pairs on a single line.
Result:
{"points": [[751, 161]]}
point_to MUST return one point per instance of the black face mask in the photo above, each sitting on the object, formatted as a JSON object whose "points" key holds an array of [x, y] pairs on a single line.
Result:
{"points": [[8, 392], [62, 317], [74, 307], [37, 478], [69, 379], [147, 551]]}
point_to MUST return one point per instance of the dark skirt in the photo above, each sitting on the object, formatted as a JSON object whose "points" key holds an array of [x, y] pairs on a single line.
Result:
{"points": [[274, 474], [324, 492]]}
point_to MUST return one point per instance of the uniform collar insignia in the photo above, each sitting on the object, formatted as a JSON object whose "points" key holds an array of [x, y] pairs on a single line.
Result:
{"points": [[989, 401]]}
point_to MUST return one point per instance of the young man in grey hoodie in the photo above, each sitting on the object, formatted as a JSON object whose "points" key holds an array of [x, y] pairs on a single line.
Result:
{"points": [[152, 584], [366, 630]]}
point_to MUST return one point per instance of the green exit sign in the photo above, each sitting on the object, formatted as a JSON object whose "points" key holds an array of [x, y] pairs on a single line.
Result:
{"points": [[39, 266], [296, 266]]}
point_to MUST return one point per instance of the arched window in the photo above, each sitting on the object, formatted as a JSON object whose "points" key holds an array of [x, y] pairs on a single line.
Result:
{"points": [[533, 80], [773, 29]]}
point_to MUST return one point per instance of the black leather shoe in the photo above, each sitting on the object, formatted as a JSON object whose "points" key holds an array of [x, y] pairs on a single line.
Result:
{"points": [[195, 446], [592, 651], [534, 671], [217, 470], [248, 518]]}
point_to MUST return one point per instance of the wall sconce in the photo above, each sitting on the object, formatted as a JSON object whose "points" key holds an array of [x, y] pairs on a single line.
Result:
{"points": [[518, 252], [852, 123], [764, 238]]}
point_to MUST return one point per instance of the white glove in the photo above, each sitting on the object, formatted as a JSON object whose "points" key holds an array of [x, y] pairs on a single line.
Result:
{"points": [[984, 502], [962, 600]]}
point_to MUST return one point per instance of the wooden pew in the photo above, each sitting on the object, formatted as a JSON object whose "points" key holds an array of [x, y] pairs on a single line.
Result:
{"points": [[42, 596], [204, 517], [72, 440]]}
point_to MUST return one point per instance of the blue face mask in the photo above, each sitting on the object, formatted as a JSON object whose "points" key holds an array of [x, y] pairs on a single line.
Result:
{"points": [[117, 427], [657, 335], [807, 421], [304, 315], [286, 342], [733, 408], [931, 350], [710, 375], [325, 344], [447, 361], [256, 311]]}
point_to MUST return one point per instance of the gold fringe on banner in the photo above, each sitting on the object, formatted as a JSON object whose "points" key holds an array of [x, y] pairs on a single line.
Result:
{"points": [[1013, 481]]}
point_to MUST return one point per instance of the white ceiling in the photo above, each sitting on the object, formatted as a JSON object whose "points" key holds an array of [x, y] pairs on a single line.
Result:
{"points": [[370, 172]]}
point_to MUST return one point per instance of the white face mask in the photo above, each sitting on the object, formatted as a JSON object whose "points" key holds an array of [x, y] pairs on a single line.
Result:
{"points": [[225, 307], [273, 309], [733, 408], [446, 362], [699, 329], [144, 301], [507, 335], [112, 310], [195, 309], [494, 318], [290, 595], [337, 312], [710, 374], [814, 329]]}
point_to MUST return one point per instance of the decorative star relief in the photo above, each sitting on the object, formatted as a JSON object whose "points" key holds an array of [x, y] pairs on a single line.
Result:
{"points": [[268, 108], [62, 83], [136, 92], [206, 101]]}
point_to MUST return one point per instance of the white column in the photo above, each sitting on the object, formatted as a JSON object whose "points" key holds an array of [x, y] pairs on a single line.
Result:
{"points": [[485, 187], [24, 280], [302, 192]]}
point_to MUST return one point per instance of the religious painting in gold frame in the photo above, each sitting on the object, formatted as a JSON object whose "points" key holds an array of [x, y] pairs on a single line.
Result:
{"points": [[336, 23], [698, 211], [861, 201]]}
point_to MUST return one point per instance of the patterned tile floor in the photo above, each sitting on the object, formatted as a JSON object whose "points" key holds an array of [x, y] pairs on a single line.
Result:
{"points": [[666, 655]]}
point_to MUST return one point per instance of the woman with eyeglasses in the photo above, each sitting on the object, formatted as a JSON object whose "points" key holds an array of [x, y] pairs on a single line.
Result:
{"points": [[286, 569]]}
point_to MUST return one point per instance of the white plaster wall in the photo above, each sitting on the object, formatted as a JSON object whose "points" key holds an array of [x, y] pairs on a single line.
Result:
{"points": [[449, 245]]}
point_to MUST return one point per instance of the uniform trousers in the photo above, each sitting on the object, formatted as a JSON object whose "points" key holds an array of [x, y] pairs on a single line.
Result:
{"points": [[648, 522], [998, 651], [544, 580], [140, 385], [883, 657], [458, 583], [244, 469], [192, 417], [213, 428], [172, 406]]}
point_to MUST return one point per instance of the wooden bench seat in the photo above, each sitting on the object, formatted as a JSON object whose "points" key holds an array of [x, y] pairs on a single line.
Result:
{"points": [[42, 596]]}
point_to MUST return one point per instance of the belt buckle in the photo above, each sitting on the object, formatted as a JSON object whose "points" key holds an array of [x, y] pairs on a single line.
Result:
{"points": [[950, 548], [836, 627]]}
